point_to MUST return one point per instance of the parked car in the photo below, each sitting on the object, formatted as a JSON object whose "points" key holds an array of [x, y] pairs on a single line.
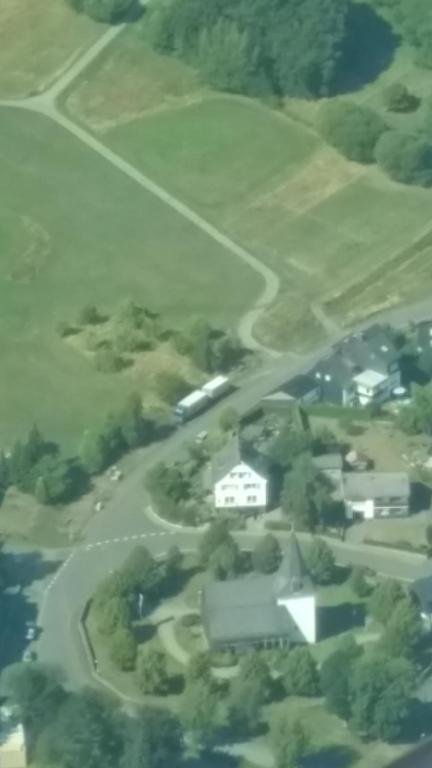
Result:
{"points": [[29, 655], [30, 633]]}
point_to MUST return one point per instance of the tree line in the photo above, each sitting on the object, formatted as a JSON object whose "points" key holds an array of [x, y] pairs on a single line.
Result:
{"points": [[86, 728], [255, 47], [38, 466]]}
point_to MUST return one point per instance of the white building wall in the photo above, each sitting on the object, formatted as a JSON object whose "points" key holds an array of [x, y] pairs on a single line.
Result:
{"points": [[364, 508], [381, 392], [241, 488], [303, 612]]}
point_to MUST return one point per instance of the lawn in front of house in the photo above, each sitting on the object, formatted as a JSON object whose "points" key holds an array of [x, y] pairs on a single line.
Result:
{"points": [[37, 41], [76, 231]]}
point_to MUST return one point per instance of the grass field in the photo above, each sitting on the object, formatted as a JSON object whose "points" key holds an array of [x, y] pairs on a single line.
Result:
{"points": [[331, 742], [37, 40], [74, 230], [338, 234]]}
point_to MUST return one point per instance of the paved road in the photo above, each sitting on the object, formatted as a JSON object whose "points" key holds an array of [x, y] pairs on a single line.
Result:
{"points": [[113, 532], [123, 523]]}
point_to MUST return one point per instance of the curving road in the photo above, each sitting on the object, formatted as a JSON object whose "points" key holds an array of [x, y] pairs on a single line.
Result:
{"points": [[122, 523]]}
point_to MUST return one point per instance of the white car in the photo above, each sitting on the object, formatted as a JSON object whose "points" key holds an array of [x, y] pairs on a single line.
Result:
{"points": [[201, 436], [29, 655], [30, 631]]}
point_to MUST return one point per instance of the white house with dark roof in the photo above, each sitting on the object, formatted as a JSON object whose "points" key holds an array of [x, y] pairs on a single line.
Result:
{"points": [[369, 495], [236, 483], [262, 611], [363, 368]]}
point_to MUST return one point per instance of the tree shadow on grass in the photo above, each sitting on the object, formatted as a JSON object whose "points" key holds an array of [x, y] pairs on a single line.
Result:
{"points": [[369, 47], [336, 619], [212, 760], [337, 756]]}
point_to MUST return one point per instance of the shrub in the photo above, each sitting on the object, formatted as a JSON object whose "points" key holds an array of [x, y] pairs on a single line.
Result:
{"points": [[229, 419], [90, 315], [123, 649], [405, 157], [106, 10], [359, 583], [107, 361], [65, 329], [171, 387], [190, 620], [223, 659], [352, 129], [397, 98]]}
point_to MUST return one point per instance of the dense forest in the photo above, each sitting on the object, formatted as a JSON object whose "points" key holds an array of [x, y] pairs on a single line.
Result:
{"points": [[255, 46], [413, 21]]}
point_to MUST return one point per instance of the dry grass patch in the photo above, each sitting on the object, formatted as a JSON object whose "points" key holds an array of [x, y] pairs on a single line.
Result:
{"points": [[325, 174], [23, 519], [128, 81], [37, 41]]}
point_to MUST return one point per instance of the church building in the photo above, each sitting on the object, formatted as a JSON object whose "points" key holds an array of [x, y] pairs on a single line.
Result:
{"points": [[255, 611]]}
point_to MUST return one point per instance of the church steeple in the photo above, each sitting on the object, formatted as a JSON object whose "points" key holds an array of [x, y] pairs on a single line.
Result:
{"points": [[292, 575]]}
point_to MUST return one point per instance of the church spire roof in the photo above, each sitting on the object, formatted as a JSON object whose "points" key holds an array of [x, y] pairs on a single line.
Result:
{"points": [[292, 575]]}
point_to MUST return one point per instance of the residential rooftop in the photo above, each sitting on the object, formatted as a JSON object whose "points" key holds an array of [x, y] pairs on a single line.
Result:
{"points": [[360, 486]]}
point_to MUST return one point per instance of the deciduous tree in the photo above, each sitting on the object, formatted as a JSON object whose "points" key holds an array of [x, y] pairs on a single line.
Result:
{"points": [[267, 555], [405, 157], [321, 562], [352, 129], [300, 673], [384, 600], [289, 740], [123, 648]]}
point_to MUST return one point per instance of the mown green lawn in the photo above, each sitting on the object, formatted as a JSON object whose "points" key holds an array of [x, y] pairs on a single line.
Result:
{"points": [[218, 153], [74, 230], [331, 742], [336, 233]]}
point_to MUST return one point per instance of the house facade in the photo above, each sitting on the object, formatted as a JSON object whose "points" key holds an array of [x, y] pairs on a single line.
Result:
{"points": [[13, 753], [278, 610], [370, 495], [362, 369], [236, 484]]}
